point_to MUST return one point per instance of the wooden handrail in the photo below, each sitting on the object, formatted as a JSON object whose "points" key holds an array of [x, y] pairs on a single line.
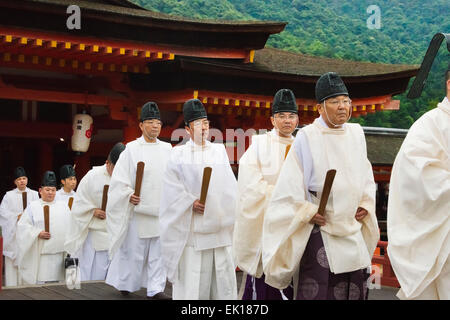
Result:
{"points": [[388, 277]]}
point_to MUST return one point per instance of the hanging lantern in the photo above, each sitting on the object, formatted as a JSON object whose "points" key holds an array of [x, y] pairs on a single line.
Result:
{"points": [[82, 128]]}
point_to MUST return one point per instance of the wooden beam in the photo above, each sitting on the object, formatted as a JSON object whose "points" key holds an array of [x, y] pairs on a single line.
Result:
{"points": [[168, 51], [167, 97], [73, 66], [105, 122], [35, 130], [92, 49], [57, 96], [218, 98]]}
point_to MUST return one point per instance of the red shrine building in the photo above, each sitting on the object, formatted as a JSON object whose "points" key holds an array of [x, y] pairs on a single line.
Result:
{"points": [[123, 56]]}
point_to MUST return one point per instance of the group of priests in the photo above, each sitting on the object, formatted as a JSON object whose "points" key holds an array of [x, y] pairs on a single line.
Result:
{"points": [[154, 212]]}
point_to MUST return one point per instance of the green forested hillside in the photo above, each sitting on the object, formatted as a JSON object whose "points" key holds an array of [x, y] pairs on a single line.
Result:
{"points": [[338, 29]]}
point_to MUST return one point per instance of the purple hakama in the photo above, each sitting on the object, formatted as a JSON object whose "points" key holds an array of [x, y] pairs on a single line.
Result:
{"points": [[317, 282], [257, 289]]}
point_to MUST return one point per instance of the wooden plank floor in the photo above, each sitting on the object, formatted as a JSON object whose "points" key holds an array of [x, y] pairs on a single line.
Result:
{"points": [[99, 290], [90, 290]]}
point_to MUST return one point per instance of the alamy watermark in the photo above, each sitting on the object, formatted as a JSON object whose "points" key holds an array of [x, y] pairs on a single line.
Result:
{"points": [[374, 281], [374, 20], [74, 20]]}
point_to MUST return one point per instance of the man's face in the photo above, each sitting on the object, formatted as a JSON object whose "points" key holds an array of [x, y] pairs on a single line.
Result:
{"points": [[69, 183], [47, 193], [151, 128], [21, 183], [285, 123], [198, 130], [335, 110]]}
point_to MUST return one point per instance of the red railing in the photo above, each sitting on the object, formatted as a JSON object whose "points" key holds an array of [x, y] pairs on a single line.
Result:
{"points": [[1, 259], [382, 261]]}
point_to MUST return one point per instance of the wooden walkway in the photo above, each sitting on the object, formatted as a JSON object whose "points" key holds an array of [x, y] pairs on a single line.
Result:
{"points": [[99, 290], [90, 290]]}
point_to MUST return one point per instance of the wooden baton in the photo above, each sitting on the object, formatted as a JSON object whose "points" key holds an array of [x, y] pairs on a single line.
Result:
{"points": [[326, 191], [24, 200], [70, 203], [47, 218], [288, 147], [205, 184], [105, 196], [139, 176]]}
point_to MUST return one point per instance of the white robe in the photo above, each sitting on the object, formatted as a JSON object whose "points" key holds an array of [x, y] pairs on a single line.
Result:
{"points": [[349, 244], [83, 223], [136, 228], [137, 264], [119, 209], [211, 230], [205, 275], [10, 208], [42, 260], [259, 168], [418, 220], [63, 196]]}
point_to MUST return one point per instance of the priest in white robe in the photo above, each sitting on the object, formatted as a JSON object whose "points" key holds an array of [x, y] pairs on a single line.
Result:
{"points": [[330, 253], [87, 238], [133, 221], [11, 209], [418, 219], [41, 253], [259, 168], [196, 238], [68, 180]]}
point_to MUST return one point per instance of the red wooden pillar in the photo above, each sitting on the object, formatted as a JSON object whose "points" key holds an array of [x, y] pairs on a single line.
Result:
{"points": [[131, 133], [83, 164], [45, 158]]}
